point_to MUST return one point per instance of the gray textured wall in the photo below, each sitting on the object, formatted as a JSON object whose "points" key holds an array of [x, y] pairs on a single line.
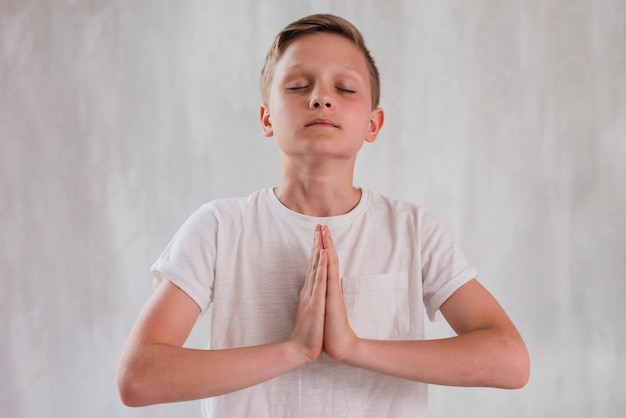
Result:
{"points": [[119, 118]]}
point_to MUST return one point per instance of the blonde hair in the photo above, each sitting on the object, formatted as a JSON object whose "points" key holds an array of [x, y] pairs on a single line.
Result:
{"points": [[317, 23]]}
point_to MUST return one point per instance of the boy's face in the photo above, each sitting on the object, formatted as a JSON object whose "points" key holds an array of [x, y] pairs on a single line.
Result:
{"points": [[319, 101]]}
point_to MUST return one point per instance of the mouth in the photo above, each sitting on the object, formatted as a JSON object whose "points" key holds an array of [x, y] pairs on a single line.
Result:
{"points": [[322, 123]]}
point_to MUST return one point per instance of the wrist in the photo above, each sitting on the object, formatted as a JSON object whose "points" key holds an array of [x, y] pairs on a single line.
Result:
{"points": [[296, 355], [348, 352]]}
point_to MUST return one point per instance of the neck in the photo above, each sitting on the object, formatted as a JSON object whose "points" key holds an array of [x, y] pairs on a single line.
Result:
{"points": [[316, 191]]}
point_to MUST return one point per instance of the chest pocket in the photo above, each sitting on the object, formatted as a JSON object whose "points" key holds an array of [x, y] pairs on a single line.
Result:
{"points": [[378, 305]]}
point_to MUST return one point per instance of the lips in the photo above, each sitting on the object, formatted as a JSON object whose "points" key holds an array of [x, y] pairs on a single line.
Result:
{"points": [[322, 122]]}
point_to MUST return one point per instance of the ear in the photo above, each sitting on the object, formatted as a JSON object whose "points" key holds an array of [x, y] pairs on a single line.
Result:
{"points": [[377, 119], [266, 121]]}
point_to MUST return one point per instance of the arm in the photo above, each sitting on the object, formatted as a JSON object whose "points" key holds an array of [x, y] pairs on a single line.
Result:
{"points": [[487, 351], [155, 368]]}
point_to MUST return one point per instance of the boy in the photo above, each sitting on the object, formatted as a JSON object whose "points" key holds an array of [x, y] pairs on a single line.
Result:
{"points": [[332, 328]]}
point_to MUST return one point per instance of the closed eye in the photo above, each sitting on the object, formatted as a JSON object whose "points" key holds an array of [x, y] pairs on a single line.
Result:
{"points": [[296, 88], [344, 90]]}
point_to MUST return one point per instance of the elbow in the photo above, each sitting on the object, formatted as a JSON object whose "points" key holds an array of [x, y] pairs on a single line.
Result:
{"points": [[520, 372], [514, 367], [504, 363], [131, 387], [129, 395]]}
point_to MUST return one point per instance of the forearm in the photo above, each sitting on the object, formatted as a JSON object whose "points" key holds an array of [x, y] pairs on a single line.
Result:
{"points": [[478, 358], [158, 373], [155, 368]]}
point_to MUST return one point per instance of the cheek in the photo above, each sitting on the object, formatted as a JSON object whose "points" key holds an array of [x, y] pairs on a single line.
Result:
{"points": [[285, 112], [362, 118]]}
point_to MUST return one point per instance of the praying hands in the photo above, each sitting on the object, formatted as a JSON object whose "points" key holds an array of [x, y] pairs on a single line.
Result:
{"points": [[321, 320]]}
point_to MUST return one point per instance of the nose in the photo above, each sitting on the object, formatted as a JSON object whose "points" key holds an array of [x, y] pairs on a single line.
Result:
{"points": [[317, 104], [321, 98]]}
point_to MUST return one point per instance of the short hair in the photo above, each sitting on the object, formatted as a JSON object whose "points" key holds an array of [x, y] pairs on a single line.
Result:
{"points": [[317, 23]]}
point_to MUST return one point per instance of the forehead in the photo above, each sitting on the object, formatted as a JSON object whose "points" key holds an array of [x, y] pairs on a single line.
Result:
{"points": [[321, 50]]}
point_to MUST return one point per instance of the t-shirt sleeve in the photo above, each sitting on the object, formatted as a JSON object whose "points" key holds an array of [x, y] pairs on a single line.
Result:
{"points": [[188, 259], [444, 265]]}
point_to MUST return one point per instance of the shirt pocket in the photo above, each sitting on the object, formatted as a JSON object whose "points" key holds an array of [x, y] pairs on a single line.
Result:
{"points": [[378, 305]]}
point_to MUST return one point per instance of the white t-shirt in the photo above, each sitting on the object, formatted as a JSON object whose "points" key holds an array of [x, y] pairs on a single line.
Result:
{"points": [[246, 258]]}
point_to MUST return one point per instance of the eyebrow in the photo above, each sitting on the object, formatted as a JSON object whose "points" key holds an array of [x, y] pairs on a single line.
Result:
{"points": [[297, 67]]}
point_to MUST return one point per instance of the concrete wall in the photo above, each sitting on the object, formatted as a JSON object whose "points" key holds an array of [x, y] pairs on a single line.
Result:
{"points": [[119, 118]]}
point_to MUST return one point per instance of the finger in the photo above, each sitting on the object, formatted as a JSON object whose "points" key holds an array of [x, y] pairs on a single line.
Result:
{"points": [[307, 288], [333, 259], [327, 240], [315, 248], [316, 242], [319, 284]]}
